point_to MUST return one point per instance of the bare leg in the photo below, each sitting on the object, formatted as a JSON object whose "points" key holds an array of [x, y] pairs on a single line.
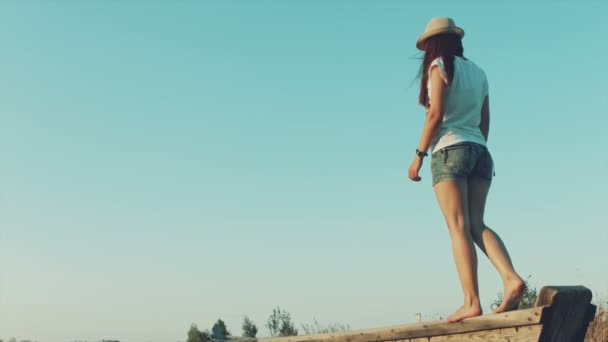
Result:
{"points": [[492, 245], [453, 201]]}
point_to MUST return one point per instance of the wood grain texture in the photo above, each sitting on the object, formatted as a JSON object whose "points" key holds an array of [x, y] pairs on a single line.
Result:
{"points": [[523, 334], [548, 294], [561, 313], [511, 319]]}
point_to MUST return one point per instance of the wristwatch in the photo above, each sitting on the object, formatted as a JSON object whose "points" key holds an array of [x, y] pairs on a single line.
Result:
{"points": [[421, 154]]}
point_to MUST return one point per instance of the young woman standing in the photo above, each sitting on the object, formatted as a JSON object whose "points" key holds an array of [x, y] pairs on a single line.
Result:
{"points": [[454, 91]]}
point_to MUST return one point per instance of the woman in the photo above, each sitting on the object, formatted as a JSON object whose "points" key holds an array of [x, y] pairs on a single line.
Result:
{"points": [[454, 91]]}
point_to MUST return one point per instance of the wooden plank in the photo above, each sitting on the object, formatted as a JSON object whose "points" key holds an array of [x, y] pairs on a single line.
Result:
{"points": [[523, 334], [569, 313], [510, 319], [562, 313]]}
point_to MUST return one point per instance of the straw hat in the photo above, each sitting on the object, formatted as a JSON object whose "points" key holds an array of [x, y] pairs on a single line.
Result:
{"points": [[439, 26]]}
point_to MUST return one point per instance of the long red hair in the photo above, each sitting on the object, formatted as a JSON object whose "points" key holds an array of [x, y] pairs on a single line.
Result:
{"points": [[446, 46]]}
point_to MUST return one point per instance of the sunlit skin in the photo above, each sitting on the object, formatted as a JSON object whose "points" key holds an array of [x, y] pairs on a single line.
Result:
{"points": [[463, 205]]}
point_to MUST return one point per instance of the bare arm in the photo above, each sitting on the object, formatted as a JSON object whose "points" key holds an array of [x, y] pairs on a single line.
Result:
{"points": [[434, 114], [484, 125], [434, 117]]}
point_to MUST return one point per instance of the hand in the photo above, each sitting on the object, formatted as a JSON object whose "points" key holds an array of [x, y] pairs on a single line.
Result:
{"points": [[412, 173]]}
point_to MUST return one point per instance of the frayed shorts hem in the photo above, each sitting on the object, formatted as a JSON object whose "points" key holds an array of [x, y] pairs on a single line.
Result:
{"points": [[456, 178]]}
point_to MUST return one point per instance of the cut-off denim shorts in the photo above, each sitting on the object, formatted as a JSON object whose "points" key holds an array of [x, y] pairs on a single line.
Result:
{"points": [[462, 161]]}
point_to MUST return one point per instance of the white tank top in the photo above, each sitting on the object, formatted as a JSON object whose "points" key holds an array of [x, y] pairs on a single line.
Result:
{"points": [[462, 104]]}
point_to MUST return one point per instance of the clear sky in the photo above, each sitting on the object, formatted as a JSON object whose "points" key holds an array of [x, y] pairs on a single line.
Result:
{"points": [[164, 163]]}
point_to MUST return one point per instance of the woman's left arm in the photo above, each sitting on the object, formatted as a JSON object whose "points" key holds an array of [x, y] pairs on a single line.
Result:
{"points": [[434, 117]]}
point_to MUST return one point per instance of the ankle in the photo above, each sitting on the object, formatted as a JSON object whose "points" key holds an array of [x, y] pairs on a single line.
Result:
{"points": [[472, 301], [513, 278]]}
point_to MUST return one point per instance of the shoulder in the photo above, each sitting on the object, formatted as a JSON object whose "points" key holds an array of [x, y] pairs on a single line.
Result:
{"points": [[472, 67], [438, 62], [471, 63], [479, 74]]}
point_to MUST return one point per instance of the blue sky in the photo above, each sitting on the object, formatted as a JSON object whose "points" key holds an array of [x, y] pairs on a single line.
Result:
{"points": [[173, 162]]}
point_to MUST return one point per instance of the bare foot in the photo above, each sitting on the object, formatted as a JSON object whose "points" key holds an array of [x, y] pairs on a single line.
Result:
{"points": [[513, 291], [465, 312]]}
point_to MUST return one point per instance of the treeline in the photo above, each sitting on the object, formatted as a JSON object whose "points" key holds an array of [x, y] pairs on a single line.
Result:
{"points": [[279, 324]]}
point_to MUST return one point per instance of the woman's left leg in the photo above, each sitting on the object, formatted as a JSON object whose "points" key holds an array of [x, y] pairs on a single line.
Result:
{"points": [[453, 201]]}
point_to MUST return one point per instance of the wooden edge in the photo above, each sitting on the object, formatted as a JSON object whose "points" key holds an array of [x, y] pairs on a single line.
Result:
{"points": [[568, 316], [591, 310], [548, 294], [527, 333], [509, 319]]}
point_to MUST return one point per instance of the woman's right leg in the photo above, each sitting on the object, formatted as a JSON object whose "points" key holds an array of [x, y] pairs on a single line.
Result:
{"points": [[492, 245]]}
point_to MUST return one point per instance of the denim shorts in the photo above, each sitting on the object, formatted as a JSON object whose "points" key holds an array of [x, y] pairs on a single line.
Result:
{"points": [[462, 161]]}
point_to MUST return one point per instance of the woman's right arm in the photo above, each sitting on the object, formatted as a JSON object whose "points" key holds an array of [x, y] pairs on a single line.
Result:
{"points": [[484, 125]]}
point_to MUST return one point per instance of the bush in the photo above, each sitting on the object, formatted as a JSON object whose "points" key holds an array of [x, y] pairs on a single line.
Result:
{"points": [[280, 324], [316, 328], [249, 328]]}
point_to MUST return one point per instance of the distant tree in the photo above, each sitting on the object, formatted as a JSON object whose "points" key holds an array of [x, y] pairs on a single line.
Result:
{"points": [[195, 335], [316, 328], [12, 339], [206, 335], [280, 324], [249, 328], [528, 297], [219, 331]]}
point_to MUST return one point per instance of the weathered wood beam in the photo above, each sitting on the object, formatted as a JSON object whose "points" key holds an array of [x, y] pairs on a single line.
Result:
{"points": [[561, 313], [568, 311], [510, 319], [522, 334]]}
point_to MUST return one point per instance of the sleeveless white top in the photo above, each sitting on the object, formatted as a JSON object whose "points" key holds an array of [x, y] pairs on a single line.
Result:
{"points": [[462, 103]]}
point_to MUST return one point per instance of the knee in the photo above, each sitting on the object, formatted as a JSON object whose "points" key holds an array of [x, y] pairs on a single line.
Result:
{"points": [[458, 225]]}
